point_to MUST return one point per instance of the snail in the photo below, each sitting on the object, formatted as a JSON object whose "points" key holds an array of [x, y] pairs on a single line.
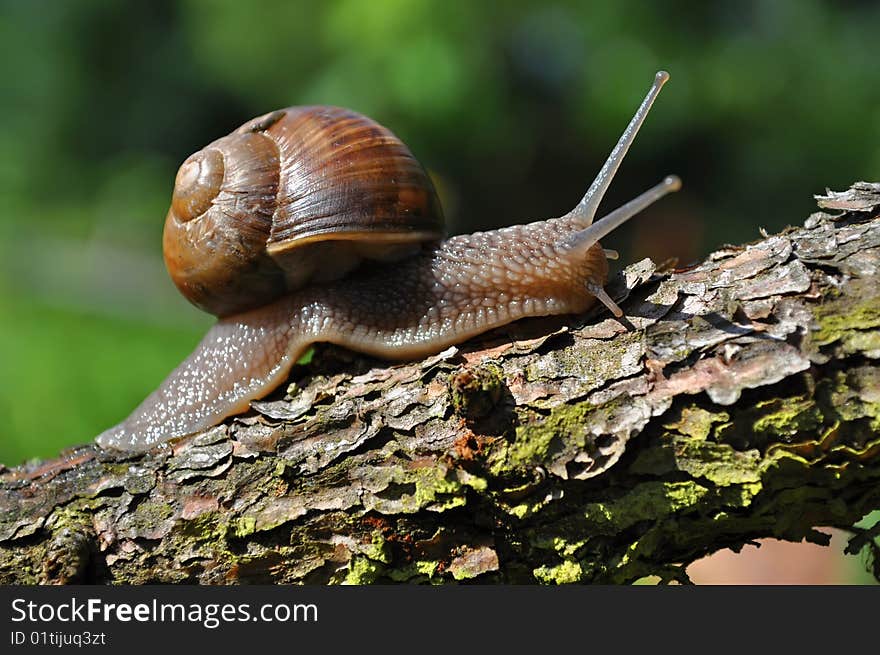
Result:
{"points": [[313, 224]]}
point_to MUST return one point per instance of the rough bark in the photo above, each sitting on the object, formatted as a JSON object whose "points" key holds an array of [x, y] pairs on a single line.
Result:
{"points": [[740, 400]]}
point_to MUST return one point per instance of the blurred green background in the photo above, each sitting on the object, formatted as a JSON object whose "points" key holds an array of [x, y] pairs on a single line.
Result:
{"points": [[512, 106]]}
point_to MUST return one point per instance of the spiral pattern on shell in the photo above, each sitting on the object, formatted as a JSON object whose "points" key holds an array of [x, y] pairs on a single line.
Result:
{"points": [[299, 194]]}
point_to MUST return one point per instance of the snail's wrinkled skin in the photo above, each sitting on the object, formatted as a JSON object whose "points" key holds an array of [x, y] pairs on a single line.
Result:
{"points": [[442, 293]]}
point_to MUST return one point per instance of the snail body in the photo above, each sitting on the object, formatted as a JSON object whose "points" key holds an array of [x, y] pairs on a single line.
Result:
{"points": [[297, 281]]}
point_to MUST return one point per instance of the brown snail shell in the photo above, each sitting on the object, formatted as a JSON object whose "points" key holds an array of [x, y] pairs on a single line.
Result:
{"points": [[299, 194]]}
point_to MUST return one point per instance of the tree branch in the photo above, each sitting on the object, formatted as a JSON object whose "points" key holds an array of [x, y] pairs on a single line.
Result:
{"points": [[743, 402]]}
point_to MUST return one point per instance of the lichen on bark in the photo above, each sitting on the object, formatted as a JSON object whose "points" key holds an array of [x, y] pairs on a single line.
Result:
{"points": [[739, 399]]}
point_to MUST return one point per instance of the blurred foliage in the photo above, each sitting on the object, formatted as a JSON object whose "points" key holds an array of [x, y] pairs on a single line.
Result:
{"points": [[513, 106]]}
